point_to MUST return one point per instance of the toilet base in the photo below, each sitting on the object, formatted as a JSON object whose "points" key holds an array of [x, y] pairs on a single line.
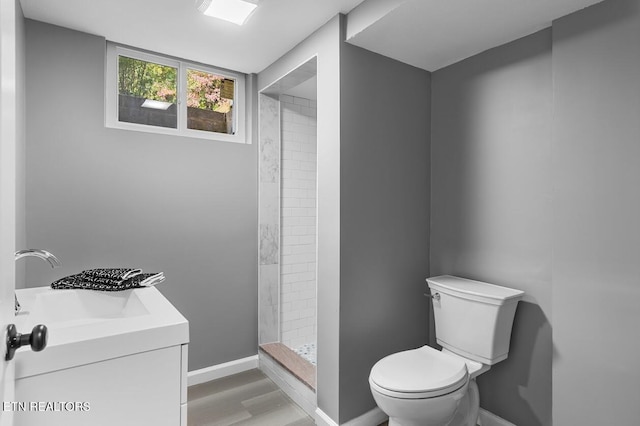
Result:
{"points": [[396, 422], [466, 413]]}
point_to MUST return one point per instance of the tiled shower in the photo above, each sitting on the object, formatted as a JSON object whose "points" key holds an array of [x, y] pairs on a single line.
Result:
{"points": [[288, 224]]}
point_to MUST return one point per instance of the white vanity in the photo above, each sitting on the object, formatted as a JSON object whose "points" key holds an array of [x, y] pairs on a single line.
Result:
{"points": [[113, 358]]}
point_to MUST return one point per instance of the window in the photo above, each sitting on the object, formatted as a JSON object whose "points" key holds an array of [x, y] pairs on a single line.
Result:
{"points": [[209, 101], [147, 93], [151, 93]]}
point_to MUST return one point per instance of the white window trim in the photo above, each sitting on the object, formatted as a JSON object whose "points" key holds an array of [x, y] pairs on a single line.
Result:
{"points": [[111, 96]]}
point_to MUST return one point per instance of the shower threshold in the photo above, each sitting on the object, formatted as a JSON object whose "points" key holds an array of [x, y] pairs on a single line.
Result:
{"points": [[302, 369]]}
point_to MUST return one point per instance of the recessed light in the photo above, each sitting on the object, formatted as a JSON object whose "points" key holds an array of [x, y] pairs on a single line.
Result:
{"points": [[150, 103], [236, 11]]}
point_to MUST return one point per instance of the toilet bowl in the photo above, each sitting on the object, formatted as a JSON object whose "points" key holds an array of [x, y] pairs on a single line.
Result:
{"points": [[426, 387]]}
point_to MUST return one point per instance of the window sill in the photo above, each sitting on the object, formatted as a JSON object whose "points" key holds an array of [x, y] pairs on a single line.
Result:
{"points": [[187, 133]]}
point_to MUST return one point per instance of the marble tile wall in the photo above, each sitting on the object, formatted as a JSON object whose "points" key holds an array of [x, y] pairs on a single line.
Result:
{"points": [[269, 220]]}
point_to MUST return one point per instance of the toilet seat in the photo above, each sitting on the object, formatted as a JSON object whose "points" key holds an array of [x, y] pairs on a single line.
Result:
{"points": [[418, 373]]}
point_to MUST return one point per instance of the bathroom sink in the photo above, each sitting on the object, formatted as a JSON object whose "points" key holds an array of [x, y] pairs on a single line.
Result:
{"points": [[88, 326], [64, 308]]}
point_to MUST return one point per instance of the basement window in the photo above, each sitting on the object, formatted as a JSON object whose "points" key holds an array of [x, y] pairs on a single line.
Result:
{"points": [[153, 93]]}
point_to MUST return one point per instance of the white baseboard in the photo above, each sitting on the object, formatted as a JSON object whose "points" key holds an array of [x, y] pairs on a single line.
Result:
{"points": [[322, 419], [487, 418], [221, 370], [370, 418], [377, 416]]}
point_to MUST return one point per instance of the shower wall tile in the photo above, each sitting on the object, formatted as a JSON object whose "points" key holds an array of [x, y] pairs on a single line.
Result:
{"points": [[269, 227], [298, 221], [269, 202], [268, 304], [268, 159], [269, 139], [269, 221], [287, 221], [268, 244]]}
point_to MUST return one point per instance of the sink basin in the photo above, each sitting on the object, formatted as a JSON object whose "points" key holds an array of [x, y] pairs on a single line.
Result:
{"points": [[88, 326], [68, 308]]}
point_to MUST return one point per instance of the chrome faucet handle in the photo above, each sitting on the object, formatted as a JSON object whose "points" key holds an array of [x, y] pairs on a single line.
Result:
{"points": [[42, 254]]}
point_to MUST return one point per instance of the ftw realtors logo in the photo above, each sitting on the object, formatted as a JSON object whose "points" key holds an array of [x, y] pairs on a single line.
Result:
{"points": [[49, 406]]}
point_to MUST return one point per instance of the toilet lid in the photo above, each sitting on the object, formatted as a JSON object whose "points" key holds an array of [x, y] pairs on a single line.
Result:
{"points": [[419, 373]]}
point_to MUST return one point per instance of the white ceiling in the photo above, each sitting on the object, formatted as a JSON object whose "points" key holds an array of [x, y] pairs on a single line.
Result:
{"points": [[431, 34], [308, 89], [175, 27], [428, 34]]}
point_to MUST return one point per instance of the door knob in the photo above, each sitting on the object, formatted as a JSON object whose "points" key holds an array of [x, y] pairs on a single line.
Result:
{"points": [[37, 339]]}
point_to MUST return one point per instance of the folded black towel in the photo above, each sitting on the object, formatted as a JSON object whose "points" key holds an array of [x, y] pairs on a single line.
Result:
{"points": [[109, 276], [115, 274], [83, 281]]}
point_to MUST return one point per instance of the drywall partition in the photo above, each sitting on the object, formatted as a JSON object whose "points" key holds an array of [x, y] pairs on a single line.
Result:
{"points": [[491, 204], [325, 45], [596, 237], [102, 197], [372, 212], [384, 216]]}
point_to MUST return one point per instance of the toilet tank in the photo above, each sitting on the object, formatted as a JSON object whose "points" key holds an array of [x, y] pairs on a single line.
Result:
{"points": [[472, 318]]}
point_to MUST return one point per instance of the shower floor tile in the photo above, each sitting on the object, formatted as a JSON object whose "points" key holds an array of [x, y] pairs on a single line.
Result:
{"points": [[308, 352]]}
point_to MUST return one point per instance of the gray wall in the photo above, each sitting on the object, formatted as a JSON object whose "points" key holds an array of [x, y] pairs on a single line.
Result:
{"points": [[99, 197], [20, 143], [384, 216], [596, 236], [491, 190]]}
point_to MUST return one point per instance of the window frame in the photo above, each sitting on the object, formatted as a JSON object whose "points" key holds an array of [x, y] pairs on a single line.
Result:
{"points": [[114, 50]]}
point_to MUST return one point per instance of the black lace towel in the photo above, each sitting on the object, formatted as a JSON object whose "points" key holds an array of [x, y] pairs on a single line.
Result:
{"points": [[110, 276], [83, 281]]}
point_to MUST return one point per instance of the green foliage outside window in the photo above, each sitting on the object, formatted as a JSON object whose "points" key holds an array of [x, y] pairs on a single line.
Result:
{"points": [[146, 79]]}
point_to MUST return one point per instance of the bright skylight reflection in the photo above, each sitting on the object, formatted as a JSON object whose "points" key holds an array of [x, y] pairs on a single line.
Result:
{"points": [[150, 103]]}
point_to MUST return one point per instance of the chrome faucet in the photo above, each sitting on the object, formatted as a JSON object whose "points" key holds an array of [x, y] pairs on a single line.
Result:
{"points": [[42, 254]]}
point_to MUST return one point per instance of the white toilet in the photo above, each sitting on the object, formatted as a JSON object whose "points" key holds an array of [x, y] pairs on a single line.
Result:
{"points": [[427, 387]]}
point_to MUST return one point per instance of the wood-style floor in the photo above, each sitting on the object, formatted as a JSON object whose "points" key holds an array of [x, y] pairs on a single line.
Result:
{"points": [[249, 399]]}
